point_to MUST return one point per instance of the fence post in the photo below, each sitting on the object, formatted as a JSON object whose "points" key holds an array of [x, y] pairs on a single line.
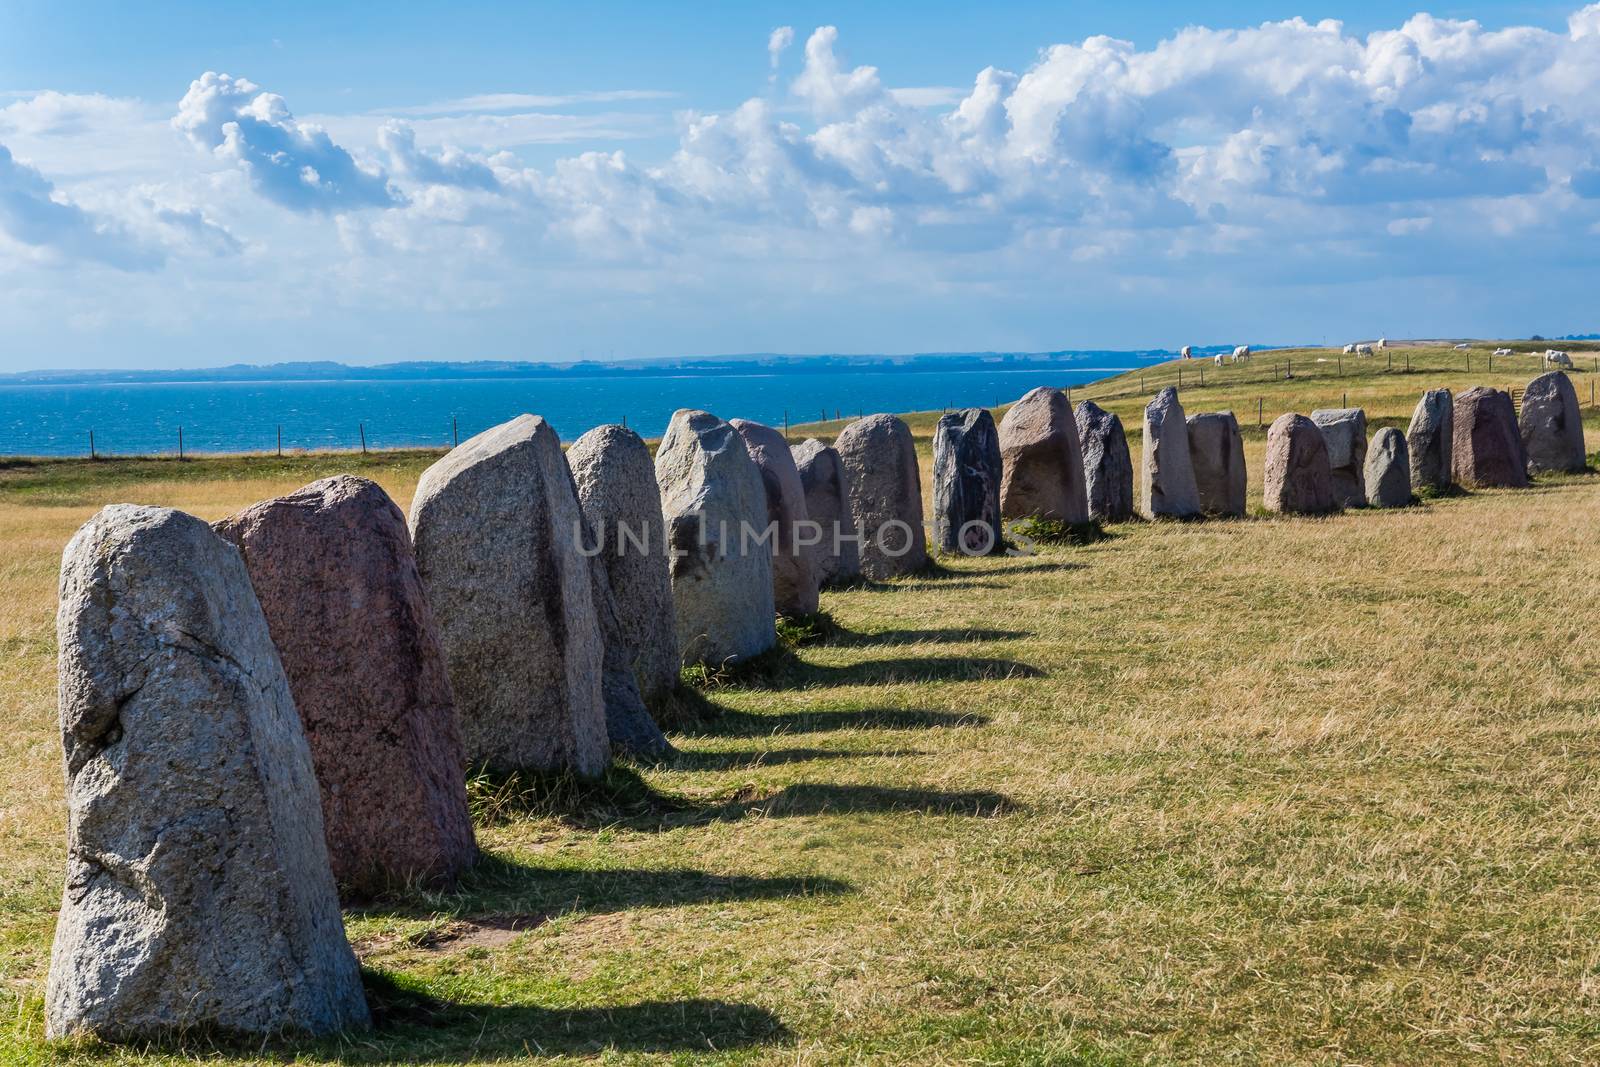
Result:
{"points": [[1259, 402], [455, 435], [361, 428], [786, 427], [1180, 377], [1391, 362], [1340, 359], [1202, 377], [1344, 400], [91, 432], [1408, 362], [180, 444], [280, 442]]}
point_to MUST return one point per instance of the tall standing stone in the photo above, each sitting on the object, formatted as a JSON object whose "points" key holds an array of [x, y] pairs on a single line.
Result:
{"points": [[1042, 458], [1345, 430], [1166, 479], [885, 487], [1298, 479], [1216, 450], [795, 575], [498, 535], [966, 483], [1388, 473], [822, 474], [1552, 425], [715, 507], [198, 893], [1486, 449], [1429, 441], [1107, 464], [333, 569], [616, 479]]}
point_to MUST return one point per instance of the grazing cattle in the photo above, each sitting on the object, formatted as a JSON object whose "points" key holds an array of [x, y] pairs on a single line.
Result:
{"points": [[1349, 350], [1186, 352], [1383, 342], [1363, 350], [1217, 359], [1502, 351], [1553, 358], [1462, 348], [1241, 354]]}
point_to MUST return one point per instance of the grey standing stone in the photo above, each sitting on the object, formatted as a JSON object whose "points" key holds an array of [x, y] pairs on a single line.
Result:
{"points": [[1388, 473], [1216, 450], [1107, 464], [616, 479], [715, 507], [1166, 477], [1486, 449], [1298, 478], [822, 475], [966, 483], [333, 568], [198, 893], [629, 727], [795, 576], [498, 529], [885, 487], [1345, 430], [1042, 458], [1428, 439], [1552, 425]]}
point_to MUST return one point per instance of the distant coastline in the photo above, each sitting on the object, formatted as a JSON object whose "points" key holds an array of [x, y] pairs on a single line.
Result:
{"points": [[479, 370]]}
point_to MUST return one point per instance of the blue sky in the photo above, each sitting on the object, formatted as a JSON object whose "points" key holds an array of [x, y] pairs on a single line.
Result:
{"points": [[513, 181]]}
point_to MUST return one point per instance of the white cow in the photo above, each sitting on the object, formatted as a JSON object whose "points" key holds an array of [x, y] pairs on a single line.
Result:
{"points": [[1349, 350], [1462, 348], [1383, 342], [1553, 358], [1217, 359], [1363, 350], [1502, 351], [1186, 352], [1241, 354]]}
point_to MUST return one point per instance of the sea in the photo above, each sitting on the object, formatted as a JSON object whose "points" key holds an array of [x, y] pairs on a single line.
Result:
{"points": [[145, 418]]}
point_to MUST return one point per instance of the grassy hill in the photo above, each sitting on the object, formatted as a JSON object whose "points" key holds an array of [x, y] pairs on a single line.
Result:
{"points": [[1271, 790]]}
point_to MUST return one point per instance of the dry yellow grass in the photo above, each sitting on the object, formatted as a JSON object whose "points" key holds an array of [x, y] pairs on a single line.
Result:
{"points": [[1264, 791]]}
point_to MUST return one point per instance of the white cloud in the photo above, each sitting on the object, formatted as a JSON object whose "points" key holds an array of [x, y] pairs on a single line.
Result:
{"points": [[294, 164], [1263, 180], [34, 214]]}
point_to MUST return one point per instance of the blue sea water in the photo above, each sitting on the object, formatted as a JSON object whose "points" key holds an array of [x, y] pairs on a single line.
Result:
{"points": [[143, 418]]}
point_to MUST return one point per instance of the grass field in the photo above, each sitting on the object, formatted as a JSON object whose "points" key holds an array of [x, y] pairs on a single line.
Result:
{"points": [[1261, 791]]}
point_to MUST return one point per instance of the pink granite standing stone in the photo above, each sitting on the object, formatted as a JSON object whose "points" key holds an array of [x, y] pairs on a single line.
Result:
{"points": [[333, 568]]}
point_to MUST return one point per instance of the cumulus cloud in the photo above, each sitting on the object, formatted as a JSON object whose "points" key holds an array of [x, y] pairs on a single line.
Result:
{"points": [[294, 164], [449, 166], [34, 214]]}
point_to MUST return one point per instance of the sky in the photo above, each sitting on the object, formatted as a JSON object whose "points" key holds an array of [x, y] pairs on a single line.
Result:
{"points": [[192, 185]]}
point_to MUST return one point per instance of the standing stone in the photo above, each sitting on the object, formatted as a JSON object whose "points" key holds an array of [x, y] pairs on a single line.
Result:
{"points": [[1428, 439], [1166, 479], [198, 893], [1345, 430], [1107, 465], [885, 487], [966, 483], [333, 568], [1552, 425], [822, 474], [715, 507], [1216, 449], [616, 480], [795, 576], [1388, 473], [1299, 479], [1042, 458], [497, 529], [1486, 449], [629, 727]]}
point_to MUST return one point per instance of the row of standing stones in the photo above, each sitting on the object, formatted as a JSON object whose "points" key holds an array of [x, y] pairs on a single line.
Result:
{"points": [[259, 715], [1195, 466]]}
